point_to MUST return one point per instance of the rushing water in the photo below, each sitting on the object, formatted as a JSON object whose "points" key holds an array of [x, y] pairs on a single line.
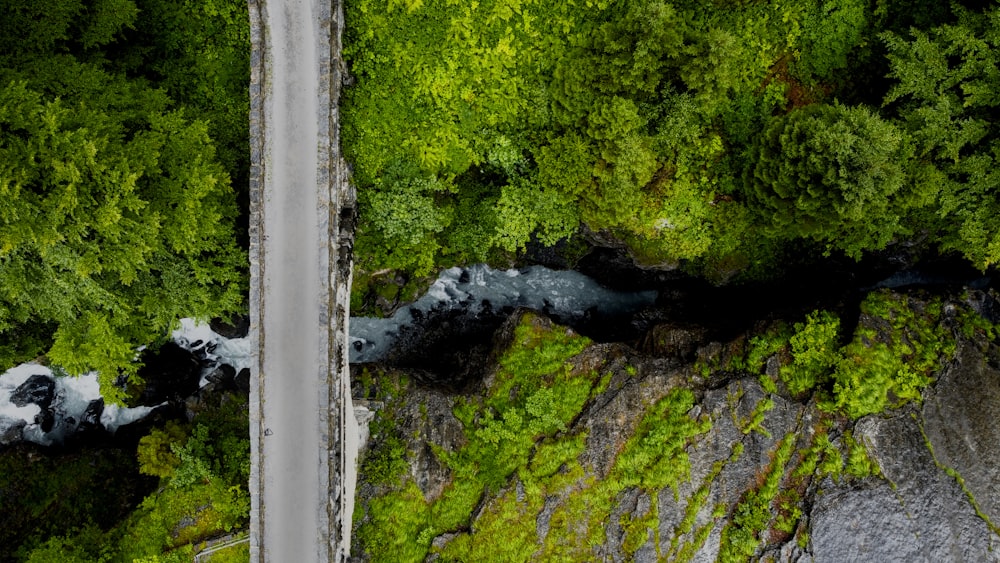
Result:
{"points": [[565, 294], [569, 296], [76, 401]]}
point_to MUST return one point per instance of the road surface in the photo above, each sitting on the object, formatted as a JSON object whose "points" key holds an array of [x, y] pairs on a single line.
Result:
{"points": [[301, 493]]}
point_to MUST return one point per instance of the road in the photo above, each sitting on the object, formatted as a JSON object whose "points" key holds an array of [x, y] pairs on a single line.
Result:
{"points": [[297, 424]]}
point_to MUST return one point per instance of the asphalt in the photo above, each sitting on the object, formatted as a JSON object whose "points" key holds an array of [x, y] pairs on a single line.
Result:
{"points": [[293, 448]]}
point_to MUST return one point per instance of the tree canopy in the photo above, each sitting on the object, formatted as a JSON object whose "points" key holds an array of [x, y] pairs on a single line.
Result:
{"points": [[677, 127], [116, 216], [831, 173]]}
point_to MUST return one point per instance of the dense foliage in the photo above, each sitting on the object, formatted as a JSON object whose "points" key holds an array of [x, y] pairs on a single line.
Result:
{"points": [[678, 127], [204, 469], [120, 131], [898, 344]]}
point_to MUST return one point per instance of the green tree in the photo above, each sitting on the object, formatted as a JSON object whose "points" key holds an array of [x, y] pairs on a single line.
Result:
{"points": [[155, 453], [834, 174], [116, 217], [946, 93], [113, 224]]}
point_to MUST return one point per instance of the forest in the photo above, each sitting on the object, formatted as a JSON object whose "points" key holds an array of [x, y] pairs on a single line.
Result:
{"points": [[727, 139], [124, 165], [715, 136]]}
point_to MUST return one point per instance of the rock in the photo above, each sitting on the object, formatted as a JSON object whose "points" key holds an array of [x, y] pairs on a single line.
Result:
{"points": [[10, 430], [239, 327], [242, 380], [222, 376], [45, 419], [673, 340], [613, 416], [202, 350], [935, 460], [447, 348], [428, 419], [438, 544], [170, 373], [37, 389], [960, 416], [91, 418], [918, 513]]}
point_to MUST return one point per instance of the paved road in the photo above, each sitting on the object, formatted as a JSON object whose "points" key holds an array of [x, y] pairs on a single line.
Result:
{"points": [[293, 484]]}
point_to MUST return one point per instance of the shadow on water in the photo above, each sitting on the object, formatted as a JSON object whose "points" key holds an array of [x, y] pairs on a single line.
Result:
{"points": [[448, 339]]}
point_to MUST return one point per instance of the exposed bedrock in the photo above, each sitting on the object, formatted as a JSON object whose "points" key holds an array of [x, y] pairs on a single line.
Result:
{"points": [[759, 473]]}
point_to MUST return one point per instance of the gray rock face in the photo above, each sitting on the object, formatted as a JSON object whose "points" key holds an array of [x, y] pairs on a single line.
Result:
{"points": [[939, 463], [918, 513], [37, 389], [961, 415], [427, 416]]}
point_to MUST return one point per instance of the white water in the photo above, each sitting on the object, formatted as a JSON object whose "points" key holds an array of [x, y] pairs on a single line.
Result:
{"points": [[565, 293], [72, 395]]}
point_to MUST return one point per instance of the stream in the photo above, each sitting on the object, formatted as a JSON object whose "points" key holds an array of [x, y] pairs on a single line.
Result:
{"points": [[451, 326]]}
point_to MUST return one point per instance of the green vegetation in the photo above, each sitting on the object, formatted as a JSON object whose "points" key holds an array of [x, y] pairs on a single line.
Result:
{"points": [[677, 127], [889, 362], [52, 495], [752, 515], [814, 348], [520, 451], [833, 174], [116, 211], [535, 397], [204, 469], [899, 343], [654, 457]]}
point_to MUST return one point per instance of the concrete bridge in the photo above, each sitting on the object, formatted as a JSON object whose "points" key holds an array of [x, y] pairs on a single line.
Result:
{"points": [[302, 426]]}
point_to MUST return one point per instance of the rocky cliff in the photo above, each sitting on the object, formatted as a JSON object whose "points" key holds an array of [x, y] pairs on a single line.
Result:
{"points": [[820, 439]]}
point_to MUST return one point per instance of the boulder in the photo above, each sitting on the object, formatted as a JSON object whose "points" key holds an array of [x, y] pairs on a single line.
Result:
{"points": [[222, 376], [960, 417], [242, 380], [672, 340], [916, 513], [37, 389], [10, 430], [237, 327], [46, 419], [91, 418]]}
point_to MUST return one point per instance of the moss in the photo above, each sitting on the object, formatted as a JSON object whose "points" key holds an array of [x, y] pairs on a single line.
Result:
{"points": [[655, 457], [505, 531], [751, 517], [755, 422], [515, 432], [972, 324], [814, 350], [395, 525], [858, 464], [639, 530], [763, 346], [889, 367], [385, 463], [684, 552]]}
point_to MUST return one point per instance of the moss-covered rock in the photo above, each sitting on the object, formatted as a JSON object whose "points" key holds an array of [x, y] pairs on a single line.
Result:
{"points": [[579, 451]]}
